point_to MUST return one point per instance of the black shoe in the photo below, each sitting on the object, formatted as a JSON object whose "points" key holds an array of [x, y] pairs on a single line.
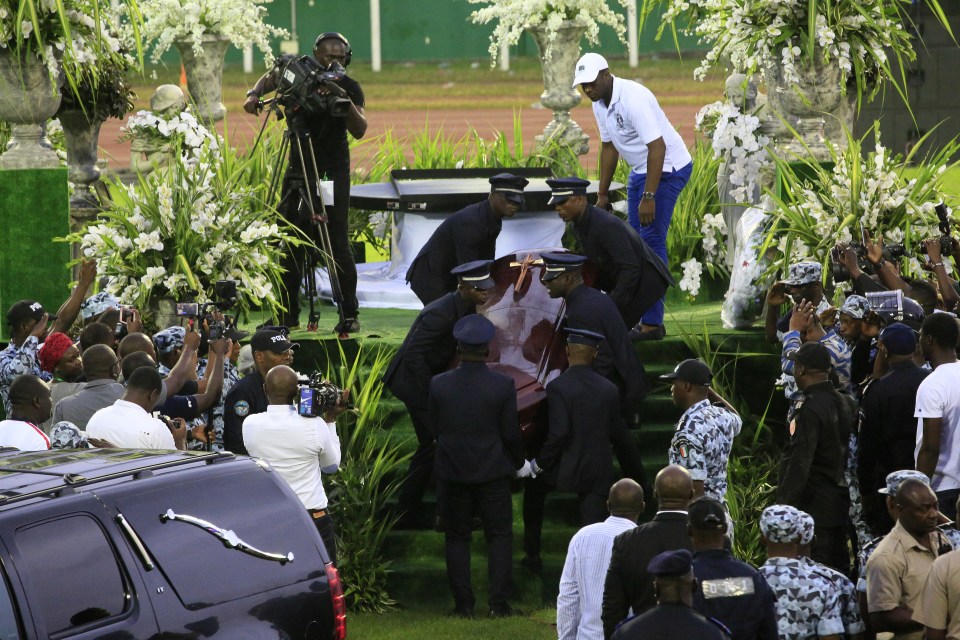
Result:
{"points": [[347, 325], [637, 335], [504, 611], [462, 612], [532, 563]]}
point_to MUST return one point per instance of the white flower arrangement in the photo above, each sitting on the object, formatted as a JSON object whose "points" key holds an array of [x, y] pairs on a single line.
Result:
{"points": [[180, 229], [515, 16], [690, 282], [239, 21], [853, 34], [734, 136], [182, 131]]}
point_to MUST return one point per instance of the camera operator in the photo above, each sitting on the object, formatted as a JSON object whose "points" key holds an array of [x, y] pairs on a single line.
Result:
{"points": [[297, 447], [328, 138]]}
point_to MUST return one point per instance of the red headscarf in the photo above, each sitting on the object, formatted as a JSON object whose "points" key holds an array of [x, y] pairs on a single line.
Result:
{"points": [[52, 350]]}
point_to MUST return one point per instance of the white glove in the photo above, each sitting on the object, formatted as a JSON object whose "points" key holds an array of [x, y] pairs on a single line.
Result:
{"points": [[526, 471], [535, 467]]}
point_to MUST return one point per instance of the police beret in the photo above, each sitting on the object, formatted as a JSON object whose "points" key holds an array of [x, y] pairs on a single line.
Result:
{"points": [[563, 188], [813, 355], [582, 336], [693, 371], [169, 339], [475, 274], [473, 330], [899, 339], [780, 523], [803, 273], [806, 527], [896, 478], [671, 564], [509, 185], [555, 264], [855, 306]]}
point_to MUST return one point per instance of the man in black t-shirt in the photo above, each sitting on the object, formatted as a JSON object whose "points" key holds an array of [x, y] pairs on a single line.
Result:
{"points": [[327, 135]]}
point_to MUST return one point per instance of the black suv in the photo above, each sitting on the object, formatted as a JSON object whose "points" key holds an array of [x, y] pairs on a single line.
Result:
{"points": [[122, 544]]}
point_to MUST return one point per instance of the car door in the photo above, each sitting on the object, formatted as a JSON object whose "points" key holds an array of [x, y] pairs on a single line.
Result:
{"points": [[71, 574]]}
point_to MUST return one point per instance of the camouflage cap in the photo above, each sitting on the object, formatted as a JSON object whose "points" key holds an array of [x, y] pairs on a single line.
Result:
{"points": [[896, 478], [780, 523], [803, 273], [97, 304], [66, 435], [855, 306], [806, 528], [169, 339]]}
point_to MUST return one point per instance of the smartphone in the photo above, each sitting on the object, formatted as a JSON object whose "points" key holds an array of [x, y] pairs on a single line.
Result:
{"points": [[188, 309]]}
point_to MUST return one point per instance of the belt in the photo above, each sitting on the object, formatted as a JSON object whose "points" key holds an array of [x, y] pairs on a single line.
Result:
{"points": [[316, 514]]}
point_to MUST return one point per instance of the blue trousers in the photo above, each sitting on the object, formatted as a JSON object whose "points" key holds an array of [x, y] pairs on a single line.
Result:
{"points": [[655, 234]]}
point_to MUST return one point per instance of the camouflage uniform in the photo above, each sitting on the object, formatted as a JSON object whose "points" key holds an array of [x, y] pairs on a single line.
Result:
{"points": [[839, 357], [17, 361], [231, 376], [808, 604], [702, 444]]}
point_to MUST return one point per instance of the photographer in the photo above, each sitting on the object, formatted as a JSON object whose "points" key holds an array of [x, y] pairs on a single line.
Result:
{"points": [[947, 285], [886, 267], [297, 447], [328, 139]]}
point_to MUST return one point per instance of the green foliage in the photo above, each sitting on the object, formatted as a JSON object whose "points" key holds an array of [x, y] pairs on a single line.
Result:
{"points": [[370, 474], [698, 199]]}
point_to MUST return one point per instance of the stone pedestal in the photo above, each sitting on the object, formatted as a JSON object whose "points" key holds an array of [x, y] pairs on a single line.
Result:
{"points": [[559, 94]]}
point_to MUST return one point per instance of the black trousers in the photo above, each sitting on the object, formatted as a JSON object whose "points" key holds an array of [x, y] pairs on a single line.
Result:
{"points": [[420, 471], [593, 508], [328, 533], [830, 548], [295, 259], [491, 500], [628, 454]]}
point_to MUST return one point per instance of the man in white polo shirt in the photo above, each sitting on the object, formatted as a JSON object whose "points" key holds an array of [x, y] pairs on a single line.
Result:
{"points": [[633, 125]]}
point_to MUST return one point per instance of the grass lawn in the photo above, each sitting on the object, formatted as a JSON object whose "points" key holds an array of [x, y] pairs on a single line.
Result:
{"points": [[410, 624]]}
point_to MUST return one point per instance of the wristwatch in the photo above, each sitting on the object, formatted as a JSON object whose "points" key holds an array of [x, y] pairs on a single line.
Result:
{"points": [[648, 195], [252, 92]]}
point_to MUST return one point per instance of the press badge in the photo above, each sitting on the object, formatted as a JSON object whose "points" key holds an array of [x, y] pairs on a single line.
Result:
{"points": [[727, 588]]}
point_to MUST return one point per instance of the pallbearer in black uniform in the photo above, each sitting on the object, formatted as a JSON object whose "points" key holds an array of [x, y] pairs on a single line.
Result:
{"points": [[473, 414], [583, 407], [467, 235], [628, 271], [588, 308], [674, 616], [428, 350]]}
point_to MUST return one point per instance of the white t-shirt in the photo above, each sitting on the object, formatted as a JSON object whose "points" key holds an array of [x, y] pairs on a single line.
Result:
{"points": [[296, 447], [939, 397], [127, 426], [634, 119], [23, 435]]}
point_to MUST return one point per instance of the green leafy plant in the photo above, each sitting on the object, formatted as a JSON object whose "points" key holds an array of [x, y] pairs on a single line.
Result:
{"points": [[370, 474]]}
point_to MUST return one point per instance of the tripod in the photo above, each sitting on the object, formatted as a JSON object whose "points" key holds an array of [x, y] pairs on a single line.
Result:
{"points": [[305, 190]]}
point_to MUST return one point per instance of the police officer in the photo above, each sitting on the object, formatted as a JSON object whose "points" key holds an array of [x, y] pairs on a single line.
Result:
{"points": [[812, 468], [633, 276], [582, 410], [473, 414], [616, 360], [728, 590], [808, 605], [270, 348], [467, 235], [704, 436], [428, 350], [849, 607], [675, 615]]}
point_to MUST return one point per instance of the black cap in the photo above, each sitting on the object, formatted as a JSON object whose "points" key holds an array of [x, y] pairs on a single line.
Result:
{"points": [[564, 188], [26, 310], [707, 514], [275, 327], [813, 355], [693, 371], [555, 264], [671, 564], [582, 336], [475, 274], [235, 334], [270, 340], [509, 185], [473, 330]]}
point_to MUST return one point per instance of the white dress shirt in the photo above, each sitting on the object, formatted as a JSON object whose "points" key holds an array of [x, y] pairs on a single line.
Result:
{"points": [[581, 583], [25, 436], [129, 426], [296, 447]]}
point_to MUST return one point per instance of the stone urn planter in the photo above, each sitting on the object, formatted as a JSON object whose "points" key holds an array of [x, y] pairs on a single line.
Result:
{"points": [[162, 313], [559, 95], [28, 98], [205, 76], [81, 136]]}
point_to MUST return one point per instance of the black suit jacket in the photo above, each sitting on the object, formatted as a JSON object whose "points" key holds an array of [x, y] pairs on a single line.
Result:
{"points": [[473, 414], [617, 360], [467, 235], [627, 269], [628, 584], [583, 409], [427, 350]]}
